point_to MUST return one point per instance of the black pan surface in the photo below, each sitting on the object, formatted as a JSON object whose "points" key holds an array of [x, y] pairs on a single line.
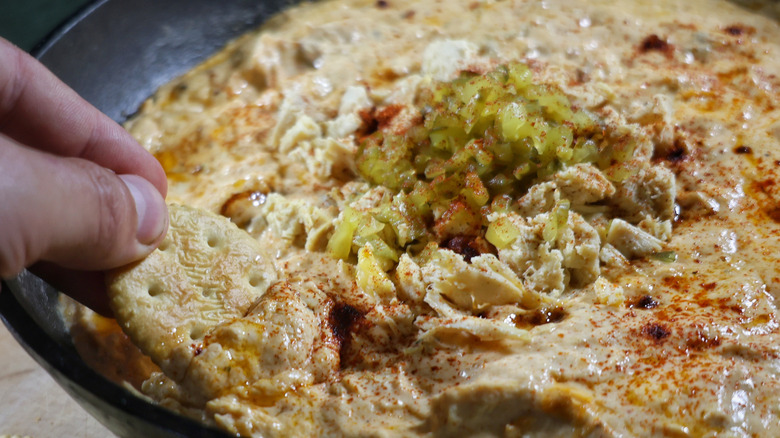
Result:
{"points": [[116, 53]]}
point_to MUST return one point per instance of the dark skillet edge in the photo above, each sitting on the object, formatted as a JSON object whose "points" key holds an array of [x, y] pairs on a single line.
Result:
{"points": [[52, 37], [122, 412], [117, 53]]}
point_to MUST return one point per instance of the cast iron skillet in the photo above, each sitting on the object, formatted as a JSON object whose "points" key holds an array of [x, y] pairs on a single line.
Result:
{"points": [[115, 53]]}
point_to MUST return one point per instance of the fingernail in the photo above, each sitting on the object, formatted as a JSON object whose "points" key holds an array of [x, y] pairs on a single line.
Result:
{"points": [[149, 207]]}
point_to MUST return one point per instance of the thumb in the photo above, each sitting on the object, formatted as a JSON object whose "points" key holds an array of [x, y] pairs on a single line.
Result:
{"points": [[73, 212]]}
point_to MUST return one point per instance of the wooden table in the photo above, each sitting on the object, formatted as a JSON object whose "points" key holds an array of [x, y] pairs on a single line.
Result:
{"points": [[31, 402]]}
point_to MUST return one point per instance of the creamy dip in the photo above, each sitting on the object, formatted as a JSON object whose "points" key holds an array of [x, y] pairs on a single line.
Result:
{"points": [[656, 316]]}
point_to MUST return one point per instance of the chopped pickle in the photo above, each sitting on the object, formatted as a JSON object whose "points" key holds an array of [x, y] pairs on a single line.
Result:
{"points": [[340, 244], [502, 232], [665, 256], [483, 140]]}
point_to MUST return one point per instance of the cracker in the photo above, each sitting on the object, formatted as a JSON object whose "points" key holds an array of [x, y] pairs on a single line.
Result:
{"points": [[206, 271]]}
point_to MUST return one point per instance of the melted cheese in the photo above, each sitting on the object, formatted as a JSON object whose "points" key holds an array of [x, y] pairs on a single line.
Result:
{"points": [[585, 334]]}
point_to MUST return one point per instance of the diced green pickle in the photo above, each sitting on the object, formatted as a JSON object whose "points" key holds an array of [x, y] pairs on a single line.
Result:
{"points": [[502, 232], [340, 244], [483, 140]]}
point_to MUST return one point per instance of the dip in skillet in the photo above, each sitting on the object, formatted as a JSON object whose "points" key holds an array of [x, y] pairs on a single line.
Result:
{"points": [[470, 218]]}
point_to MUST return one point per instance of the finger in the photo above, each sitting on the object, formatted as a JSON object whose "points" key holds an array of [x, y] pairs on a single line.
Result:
{"points": [[73, 212], [86, 287], [38, 109]]}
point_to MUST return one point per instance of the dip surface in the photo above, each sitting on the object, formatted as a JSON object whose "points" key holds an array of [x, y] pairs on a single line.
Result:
{"points": [[627, 297]]}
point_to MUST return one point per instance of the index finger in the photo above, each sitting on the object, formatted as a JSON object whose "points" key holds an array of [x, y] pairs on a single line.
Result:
{"points": [[39, 110]]}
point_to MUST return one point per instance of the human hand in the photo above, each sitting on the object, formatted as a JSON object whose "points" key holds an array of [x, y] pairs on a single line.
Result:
{"points": [[78, 194]]}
